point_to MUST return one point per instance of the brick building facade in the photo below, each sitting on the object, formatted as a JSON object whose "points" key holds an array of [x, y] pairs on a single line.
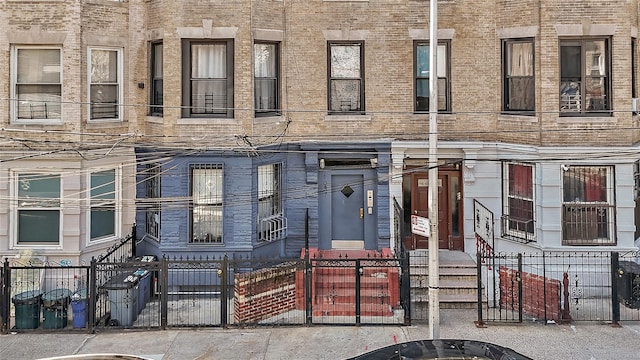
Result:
{"points": [[230, 121]]}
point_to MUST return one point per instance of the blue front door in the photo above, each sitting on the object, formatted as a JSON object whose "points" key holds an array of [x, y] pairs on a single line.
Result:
{"points": [[347, 211]]}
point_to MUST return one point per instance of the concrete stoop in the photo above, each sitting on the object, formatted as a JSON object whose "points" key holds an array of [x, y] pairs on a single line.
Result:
{"points": [[458, 281]]}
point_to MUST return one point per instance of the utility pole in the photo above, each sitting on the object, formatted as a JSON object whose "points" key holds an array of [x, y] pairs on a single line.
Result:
{"points": [[434, 263]]}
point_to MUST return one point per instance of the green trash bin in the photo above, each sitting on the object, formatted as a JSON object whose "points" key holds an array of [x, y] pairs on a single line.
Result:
{"points": [[55, 308], [27, 305]]}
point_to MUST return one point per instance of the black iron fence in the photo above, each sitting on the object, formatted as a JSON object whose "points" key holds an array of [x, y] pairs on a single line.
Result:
{"points": [[559, 287], [203, 292]]}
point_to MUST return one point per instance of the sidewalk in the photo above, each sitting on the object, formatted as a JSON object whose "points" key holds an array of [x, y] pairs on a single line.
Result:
{"points": [[539, 341]]}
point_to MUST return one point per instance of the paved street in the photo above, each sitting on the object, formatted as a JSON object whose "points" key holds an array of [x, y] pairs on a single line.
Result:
{"points": [[539, 341]]}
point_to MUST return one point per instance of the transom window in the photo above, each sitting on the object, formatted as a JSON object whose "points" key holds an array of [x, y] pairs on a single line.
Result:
{"points": [[519, 86], [422, 60], [346, 77], [103, 205], [36, 83], [588, 206], [208, 78], [39, 209], [585, 77], [518, 221], [156, 96], [206, 209], [105, 79], [266, 58]]}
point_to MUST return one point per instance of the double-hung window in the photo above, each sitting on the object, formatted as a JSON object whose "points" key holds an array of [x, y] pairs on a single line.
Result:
{"points": [[105, 83], [206, 209], [103, 218], [39, 209], [585, 69], [588, 205], [36, 83], [518, 76], [346, 77], [518, 222], [156, 79], [422, 60], [207, 84], [266, 59], [152, 187], [271, 223]]}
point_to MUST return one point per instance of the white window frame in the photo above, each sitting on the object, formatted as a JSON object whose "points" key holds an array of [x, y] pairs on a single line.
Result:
{"points": [[15, 209], [518, 233], [212, 202], [120, 76], [116, 201], [14, 105]]}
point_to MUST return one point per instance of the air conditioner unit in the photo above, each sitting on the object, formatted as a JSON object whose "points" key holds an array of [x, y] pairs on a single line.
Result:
{"points": [[635, 105]]}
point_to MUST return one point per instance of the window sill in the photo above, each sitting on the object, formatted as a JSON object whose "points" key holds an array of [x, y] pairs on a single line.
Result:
{"points": [[22, 123], [98, 124], [41, 246], [155, 119], [269, 119], [346, 117], [531, 119], [205, 121], [586, 119], [108, 2]]}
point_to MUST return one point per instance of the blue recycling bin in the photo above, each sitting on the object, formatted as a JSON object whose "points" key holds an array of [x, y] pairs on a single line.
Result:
{"points": [[79, 307], [27, 305], [55, 308]]}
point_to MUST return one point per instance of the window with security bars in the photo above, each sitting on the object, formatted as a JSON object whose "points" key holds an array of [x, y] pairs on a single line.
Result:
{"points": [[588, 208], [206, 203], [271, 222], [519, 208], [152, 186]]}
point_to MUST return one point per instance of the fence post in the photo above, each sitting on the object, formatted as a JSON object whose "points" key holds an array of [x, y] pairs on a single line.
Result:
{"points": [[615, 302], [358, 272], [519, 280], [223, 272], [308, 278], [479, 322], [164, 296], [5, 294], [406, 286], [92, 295]]}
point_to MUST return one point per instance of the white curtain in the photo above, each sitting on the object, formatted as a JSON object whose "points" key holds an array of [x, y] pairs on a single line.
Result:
{"points": [[209, 61], [521, 59]]}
